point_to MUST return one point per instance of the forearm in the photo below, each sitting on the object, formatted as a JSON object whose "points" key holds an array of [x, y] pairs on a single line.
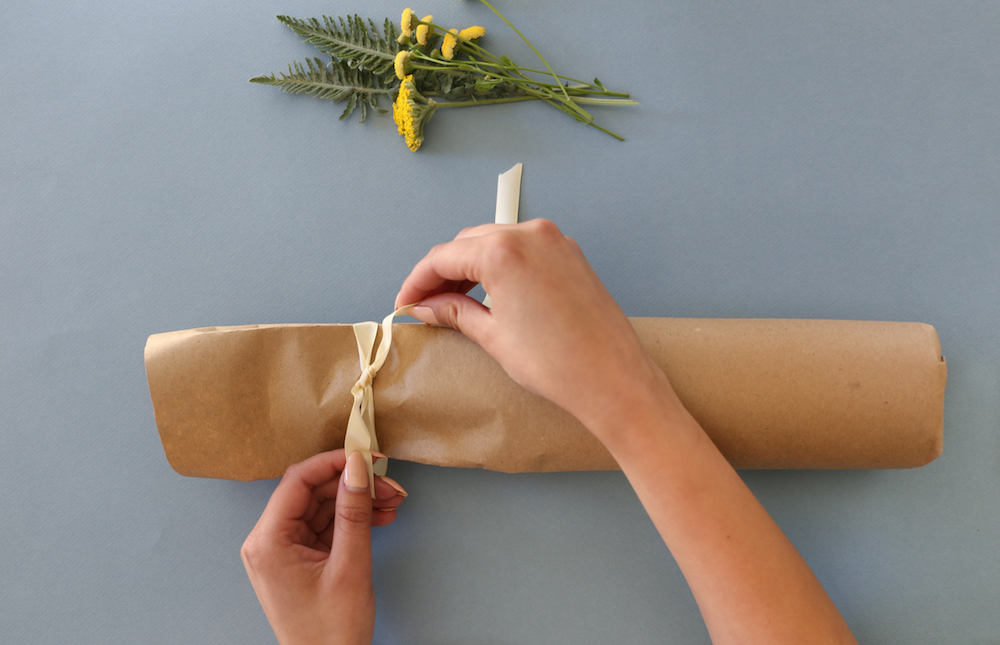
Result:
{"points": [[557, 332], [751, 584]]}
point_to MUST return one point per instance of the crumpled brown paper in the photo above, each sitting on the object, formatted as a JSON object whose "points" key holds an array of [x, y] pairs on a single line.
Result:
{"points": [[246, 402]]}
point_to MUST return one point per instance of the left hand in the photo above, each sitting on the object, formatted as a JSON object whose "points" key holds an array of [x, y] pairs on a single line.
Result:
{"points": [[309, 556]]}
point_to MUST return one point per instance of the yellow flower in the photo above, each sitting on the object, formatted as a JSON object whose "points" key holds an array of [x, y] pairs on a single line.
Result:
{"points": [[424, 32], [449, 43], [402, 64], [407, 22], [472, 33], [411, 112]]}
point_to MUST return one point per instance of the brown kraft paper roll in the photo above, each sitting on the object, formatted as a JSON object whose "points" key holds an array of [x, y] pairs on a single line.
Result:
{"points": [[246, 402]]}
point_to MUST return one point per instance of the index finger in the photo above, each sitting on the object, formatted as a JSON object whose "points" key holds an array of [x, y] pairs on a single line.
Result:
{"points": [[480, 229], [453, 266], [290, 500]]}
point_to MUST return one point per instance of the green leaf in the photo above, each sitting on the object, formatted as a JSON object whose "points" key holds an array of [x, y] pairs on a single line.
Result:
{"points": [[336, 82], [351, 104], [446, 83], [487, 85], [350, 39]]}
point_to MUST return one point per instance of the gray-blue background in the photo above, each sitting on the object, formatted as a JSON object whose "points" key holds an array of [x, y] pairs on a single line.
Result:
{"points": [[789, 159]]}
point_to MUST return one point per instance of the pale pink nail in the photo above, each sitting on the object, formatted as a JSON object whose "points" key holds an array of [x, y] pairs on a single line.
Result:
{"points": [[392, 482], [356, 473], [425, 314]]}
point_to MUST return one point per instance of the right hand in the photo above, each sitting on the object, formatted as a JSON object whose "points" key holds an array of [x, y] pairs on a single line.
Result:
{"points": [[553, 327], [557, 332]]}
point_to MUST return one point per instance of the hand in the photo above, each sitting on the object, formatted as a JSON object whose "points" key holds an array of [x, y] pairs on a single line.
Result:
{"points": [[556, 331], [309, 556], [551, 317]]}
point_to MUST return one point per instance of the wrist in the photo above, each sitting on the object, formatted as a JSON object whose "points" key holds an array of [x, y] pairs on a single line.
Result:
{"points": [[642, 410]]}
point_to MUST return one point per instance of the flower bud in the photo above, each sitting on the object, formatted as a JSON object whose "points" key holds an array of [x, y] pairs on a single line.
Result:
{"points": [[449, 43], [407, 22], [402, 64], [425, 32], [472, 33]]}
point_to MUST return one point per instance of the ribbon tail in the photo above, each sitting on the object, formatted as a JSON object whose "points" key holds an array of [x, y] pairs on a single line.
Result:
{"points": [[357, 438], [359, 432], [508, 196]]}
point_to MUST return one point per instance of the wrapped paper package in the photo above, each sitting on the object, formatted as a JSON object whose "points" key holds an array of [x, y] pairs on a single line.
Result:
{"points": [[246, 402]]}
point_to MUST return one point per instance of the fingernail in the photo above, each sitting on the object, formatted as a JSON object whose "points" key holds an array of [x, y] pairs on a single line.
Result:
{"points": [[377, 454], [425, 314], [387, 510], [392, 482], [356, 473]]}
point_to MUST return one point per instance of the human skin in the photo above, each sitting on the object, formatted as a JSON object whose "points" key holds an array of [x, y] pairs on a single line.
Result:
{"points": [[309, 557], [557, 332]]}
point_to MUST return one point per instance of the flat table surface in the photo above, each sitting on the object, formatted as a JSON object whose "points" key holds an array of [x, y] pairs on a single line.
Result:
{"points": [[787, 160]]}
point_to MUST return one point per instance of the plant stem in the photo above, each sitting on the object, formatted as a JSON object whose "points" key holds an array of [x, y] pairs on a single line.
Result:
{"points": [[480, 64], [597, 101], [590, 123], [623, 95], [540, 57], [512, 99], [506, 99]]}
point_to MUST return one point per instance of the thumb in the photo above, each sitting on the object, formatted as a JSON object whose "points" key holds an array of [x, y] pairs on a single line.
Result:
{"points": [[351, 550], [457, 311]]}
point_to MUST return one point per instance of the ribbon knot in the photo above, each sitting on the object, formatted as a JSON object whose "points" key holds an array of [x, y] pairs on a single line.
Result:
{"points": [[360, 434], [367, 376]]}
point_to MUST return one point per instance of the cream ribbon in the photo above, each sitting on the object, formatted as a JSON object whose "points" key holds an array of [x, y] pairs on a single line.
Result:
{"points": [[508, 196], [361, 424]]}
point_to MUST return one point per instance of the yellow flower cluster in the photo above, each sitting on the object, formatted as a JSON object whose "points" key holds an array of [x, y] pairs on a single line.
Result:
{"points": [[402, 64], [449, 43], [454, 37], [407, 22], [472, 33], [425, 31], [411, 111]]}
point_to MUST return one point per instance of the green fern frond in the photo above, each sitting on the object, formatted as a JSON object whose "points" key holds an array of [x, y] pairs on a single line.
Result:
{"points": [[350, 39], [336, 82]]}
